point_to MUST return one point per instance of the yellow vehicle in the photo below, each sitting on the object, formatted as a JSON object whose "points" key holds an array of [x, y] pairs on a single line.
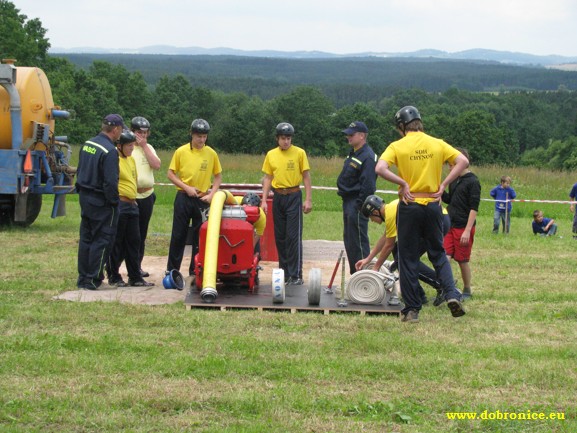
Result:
{"points": [[32, 160]]}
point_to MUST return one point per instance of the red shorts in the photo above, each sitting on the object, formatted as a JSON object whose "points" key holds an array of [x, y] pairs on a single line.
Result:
{"points": [[453, 246]]}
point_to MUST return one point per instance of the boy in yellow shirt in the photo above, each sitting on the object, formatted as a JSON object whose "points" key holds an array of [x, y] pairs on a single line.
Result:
{"points": [[284, 168], [191, 170]]}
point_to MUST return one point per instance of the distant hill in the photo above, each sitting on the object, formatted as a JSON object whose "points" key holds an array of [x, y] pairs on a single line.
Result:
{"points": [[506, 57], [237, 73]]}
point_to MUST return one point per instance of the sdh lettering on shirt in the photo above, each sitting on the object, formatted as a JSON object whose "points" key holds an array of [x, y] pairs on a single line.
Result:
{"points": [[421, 154]]}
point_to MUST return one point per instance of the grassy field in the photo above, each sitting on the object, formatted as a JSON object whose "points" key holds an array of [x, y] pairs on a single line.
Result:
{"points": [[111, 367]]}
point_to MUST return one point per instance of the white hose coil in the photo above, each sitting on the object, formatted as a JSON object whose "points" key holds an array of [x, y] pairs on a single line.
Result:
{"points": [[278, 287], [367, 287], [389, 277]]}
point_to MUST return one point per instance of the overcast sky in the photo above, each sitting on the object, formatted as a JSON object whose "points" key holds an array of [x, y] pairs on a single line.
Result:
{"points": [[341, 27]]}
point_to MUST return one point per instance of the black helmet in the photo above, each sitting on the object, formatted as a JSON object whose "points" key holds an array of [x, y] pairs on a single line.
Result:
{"points": [[284, 128], [139, 122], [406, 115], [200, 126], [372, 203], [126, 137], [251, 199]]}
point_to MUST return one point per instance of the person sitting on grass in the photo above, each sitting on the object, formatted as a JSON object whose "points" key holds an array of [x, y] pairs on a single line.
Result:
{"points": [[543, 226]]}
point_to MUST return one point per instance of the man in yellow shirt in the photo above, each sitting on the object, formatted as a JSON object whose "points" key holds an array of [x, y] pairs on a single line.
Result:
{"points": [[192, 168], [419, 158], [284, 168]]}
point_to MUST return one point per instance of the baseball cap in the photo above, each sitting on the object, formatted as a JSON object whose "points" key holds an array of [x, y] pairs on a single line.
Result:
{"points": [[356, 126], [113, 120]]}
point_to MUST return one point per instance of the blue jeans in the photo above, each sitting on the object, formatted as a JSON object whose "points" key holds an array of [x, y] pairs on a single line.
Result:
{"points": [[499, 217]]}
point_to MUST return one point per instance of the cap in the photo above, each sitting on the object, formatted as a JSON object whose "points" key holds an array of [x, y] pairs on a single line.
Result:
{"points": [[356, 126], [113, 120]]}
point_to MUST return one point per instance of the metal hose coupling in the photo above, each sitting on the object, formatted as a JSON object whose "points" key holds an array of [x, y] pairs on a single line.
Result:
{"points": [[367, 287], [208, 295]]}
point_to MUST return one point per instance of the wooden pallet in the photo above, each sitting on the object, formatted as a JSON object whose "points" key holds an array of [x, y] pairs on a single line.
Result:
{"points": [[296, 300]]}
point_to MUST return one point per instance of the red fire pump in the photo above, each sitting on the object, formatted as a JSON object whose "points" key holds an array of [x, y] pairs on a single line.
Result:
{"points": [[237, 263]]}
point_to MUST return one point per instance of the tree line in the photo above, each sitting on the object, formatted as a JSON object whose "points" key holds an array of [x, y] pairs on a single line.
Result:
{"points": [[531, 128], [505, 127]]}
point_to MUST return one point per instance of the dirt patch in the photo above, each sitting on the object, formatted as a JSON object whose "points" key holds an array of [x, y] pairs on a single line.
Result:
{"points": [[316, 254]]}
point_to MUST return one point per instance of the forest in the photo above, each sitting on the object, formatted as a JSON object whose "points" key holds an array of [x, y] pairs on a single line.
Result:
{"points": [[503, 114]]}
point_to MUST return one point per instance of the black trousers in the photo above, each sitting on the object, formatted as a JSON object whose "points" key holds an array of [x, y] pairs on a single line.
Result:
{"points": [[288, 232], [426, 274], [355, 233], [126, 245], [145, 207], [416, 224], [187, 212], [98, 226]]}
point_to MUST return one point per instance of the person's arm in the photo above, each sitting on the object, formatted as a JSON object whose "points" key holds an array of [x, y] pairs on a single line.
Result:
{"points": [[266, 186], [385, 172], [110, 173], [367, 180], [446, 197], [474, 199], [379, 247], [466, 236], [152, 159], [189, 190], [549, 224], [308, 204], [215, 186], [385, 252], [461, 163]]}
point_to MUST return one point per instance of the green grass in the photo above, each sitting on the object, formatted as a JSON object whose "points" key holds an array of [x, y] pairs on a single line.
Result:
{"points": [[94, 367]]}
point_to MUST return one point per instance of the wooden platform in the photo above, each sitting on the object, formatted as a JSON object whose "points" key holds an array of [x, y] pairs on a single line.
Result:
{"points": [[296, 300]]}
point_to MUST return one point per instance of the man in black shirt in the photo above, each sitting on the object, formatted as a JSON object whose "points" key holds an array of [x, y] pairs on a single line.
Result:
{"points": [[355, 183], [97, 186]]}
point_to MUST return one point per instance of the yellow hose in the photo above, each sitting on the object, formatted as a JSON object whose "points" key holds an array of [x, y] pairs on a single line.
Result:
{"points": [[220, 198]]}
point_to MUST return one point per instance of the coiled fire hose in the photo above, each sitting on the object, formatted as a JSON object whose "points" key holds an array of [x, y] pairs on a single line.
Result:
{"points": [[386, 270], [368, 287]]}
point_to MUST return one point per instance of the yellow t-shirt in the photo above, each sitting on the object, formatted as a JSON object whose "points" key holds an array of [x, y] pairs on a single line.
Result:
{"points": [[195, 167], [419, 159], [286, 166], [127, 177], [145, 173], [391, 218]]}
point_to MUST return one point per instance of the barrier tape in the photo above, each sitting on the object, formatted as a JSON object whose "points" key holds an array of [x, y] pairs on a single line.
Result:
{"points": [[388, 191]]}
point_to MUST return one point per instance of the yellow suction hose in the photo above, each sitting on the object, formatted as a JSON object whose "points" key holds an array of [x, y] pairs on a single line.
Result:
{"points": [[220, 198]]}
